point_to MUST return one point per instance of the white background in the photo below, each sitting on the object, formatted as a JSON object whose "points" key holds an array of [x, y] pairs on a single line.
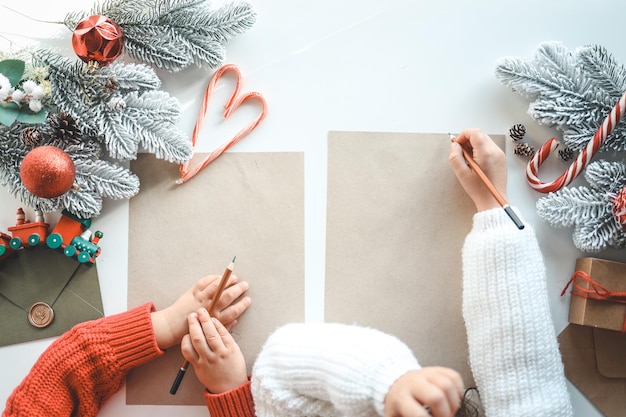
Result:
{"points": [[393, 65]]}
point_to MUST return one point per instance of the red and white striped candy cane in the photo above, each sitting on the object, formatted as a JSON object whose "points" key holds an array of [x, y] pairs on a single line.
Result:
{"points": [[583, 159], [236, 100]]}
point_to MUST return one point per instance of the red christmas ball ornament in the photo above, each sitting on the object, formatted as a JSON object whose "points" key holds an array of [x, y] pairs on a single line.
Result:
{"points": [[97, 38], [47, 171]]}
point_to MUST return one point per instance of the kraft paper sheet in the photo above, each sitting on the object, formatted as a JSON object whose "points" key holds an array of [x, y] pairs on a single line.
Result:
{"points": [[248, 205], [594, 363], [396, 222]]}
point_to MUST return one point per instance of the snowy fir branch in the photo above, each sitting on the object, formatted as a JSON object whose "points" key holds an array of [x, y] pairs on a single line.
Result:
{"points": [[132, 77], [573, 91], [174, 34], [148, 113], [95, 178], [610, 76], [590, 210], [127, 115], [573, 206], [109, 180], [609, 176]]}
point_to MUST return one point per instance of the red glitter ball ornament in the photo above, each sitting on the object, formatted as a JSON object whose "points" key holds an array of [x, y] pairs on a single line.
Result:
{"points": [[97, 38], [47, 171]]}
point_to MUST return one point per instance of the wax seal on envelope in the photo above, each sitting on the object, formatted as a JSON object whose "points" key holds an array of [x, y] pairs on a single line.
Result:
{"points": [[40, 315]]}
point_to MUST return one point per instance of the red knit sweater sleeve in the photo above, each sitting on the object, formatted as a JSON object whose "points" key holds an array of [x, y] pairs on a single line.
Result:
{"points": [[85, 366], [234, 403]]}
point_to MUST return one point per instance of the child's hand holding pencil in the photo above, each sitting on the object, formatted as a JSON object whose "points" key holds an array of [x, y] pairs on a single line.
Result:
{"points": [[480, 166], [195, 348]]}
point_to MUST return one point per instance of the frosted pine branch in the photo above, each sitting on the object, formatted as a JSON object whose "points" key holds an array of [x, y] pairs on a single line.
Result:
{"points": [[120, 11], [174, 34], [155, 113], [96, 178], [602, 67], [220, 25], [572, 91], [572, 206], [589, 209], [598, 236], [131, 77], [605, 175], [85, 202], [126, 116], [205, 51], [162, 47], [110, 180]]}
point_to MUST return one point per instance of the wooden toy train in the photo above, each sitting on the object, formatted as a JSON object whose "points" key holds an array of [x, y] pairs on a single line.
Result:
{"points": [[71, 235]]}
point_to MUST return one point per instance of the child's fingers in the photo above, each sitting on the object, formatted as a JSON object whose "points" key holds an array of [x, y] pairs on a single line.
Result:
{"points": [[210, 336], [212, 283], [188, 351], [457, 160], [445, 391], [227, 338], [199, 340], [230, 294], [230, 314], [412, 409]]}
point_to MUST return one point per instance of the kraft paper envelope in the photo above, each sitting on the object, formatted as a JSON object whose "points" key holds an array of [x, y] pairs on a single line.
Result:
{"points": [[397, 219], [38, 274], [594, 363], [248, 205]]}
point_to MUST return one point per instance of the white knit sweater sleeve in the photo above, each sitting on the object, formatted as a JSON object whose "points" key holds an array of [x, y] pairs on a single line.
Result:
{"points": [[327, 370], [513, 348]]}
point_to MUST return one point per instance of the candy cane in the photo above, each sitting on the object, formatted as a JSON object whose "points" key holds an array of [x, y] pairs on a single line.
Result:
{"points": [[236, 100], [583, 159]]}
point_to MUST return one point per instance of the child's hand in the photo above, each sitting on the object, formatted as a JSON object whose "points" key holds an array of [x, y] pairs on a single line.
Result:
{"points": [[489, 157], [440, 389], [213, 353], [170, 324]]}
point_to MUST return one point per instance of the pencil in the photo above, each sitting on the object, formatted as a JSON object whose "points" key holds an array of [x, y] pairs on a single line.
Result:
{"points": [[211, 310], [492, 188]]}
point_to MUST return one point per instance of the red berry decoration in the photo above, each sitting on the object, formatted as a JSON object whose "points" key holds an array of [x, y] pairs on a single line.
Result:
{"points": [[47, 171], [97, 38]]}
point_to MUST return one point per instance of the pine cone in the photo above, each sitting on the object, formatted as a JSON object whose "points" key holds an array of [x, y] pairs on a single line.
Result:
{"points": [[31, 136], [566, 154], [524, 149], [64, 127], [517, 132]]}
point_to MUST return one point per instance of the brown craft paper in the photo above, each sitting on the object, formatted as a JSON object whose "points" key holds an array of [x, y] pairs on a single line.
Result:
{"points": [[397, 219], [248, 205], [610, 353], [594, 363], [36, 274], [600, 313]]}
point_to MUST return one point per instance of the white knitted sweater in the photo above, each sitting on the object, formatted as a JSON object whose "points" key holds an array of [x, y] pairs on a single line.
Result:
{"points": [[335, 370], [513, 348]]}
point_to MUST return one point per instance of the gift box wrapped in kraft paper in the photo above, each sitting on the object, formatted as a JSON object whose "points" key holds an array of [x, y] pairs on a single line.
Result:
{"points": [[593, 346], [598, 288]]}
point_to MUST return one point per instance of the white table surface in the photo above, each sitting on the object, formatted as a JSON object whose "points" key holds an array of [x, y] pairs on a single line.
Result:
{"points": [[394, 65]]}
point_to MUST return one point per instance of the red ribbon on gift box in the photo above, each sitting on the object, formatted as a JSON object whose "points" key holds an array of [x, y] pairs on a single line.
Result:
{"points": [[595, 291]]}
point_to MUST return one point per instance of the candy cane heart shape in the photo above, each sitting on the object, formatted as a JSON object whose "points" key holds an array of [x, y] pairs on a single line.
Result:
{"points": [[583, 159], [234, 102]]}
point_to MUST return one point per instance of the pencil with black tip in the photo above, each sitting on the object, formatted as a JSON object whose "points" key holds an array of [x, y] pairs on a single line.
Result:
{"points": [[492, 188], [211, 310]]}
